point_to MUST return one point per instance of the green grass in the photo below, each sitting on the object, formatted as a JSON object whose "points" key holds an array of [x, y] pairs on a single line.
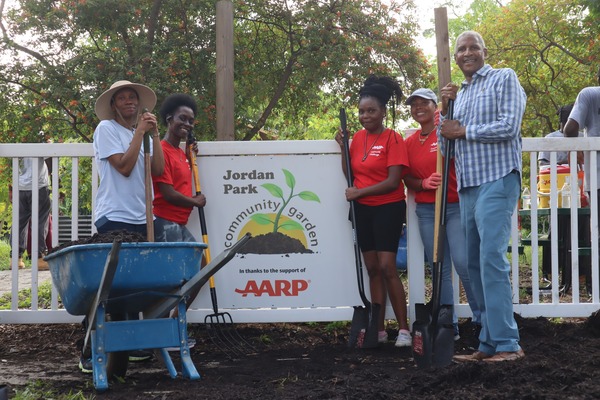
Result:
{"points": [[44, 297], [4, 255], [39, 390], [335, 326], [5, 258]]}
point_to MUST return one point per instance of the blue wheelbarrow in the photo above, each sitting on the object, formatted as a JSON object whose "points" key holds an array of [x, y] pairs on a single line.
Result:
{"points": [[111, 284]]}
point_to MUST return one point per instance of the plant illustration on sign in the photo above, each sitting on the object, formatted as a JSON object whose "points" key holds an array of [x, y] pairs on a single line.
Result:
{"points": [[276, 191], [267, 237]]}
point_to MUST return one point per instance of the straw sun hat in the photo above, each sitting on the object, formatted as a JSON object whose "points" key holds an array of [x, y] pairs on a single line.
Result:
{"points": [[103, 103]]}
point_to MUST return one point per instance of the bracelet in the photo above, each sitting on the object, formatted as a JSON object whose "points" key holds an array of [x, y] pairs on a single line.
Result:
{"points": [[155, 136], [421, 184]]}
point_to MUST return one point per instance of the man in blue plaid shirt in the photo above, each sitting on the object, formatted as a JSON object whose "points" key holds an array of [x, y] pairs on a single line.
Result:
{"points": [[486, 129]]}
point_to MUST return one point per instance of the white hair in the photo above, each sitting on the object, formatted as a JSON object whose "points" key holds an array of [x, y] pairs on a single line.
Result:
{"points": [[476, 35]]}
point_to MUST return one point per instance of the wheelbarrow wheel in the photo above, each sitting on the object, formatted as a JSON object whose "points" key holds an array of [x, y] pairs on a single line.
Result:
{"points": [[117, 363]]}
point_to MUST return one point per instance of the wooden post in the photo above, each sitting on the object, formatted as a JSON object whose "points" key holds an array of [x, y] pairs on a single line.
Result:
{"points": [[224, 42]]}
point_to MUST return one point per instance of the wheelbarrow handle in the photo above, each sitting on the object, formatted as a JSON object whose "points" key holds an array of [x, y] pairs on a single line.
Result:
{"points": [[110, 268]]}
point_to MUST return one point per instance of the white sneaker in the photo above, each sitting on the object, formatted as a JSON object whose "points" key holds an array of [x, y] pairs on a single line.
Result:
{"points": [[404, 339], [382, 337]]}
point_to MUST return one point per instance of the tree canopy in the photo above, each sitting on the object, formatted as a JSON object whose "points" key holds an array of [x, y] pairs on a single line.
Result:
{"points": [[292, 59], [553, 46], [296, 62]]}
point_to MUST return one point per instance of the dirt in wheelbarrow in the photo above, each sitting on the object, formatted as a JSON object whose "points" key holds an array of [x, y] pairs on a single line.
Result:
{"points": [[312, 361]]}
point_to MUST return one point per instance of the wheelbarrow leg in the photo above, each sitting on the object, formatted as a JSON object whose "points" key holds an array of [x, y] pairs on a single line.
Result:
{"points": [[188, 370], [98, 353], [110, 268], [164, 356], [96, 319]]}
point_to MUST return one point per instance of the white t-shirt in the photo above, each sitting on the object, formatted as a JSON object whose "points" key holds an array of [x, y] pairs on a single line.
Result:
{"points": [[562, 157], [26, 173], [119, 198], [586, 111]]}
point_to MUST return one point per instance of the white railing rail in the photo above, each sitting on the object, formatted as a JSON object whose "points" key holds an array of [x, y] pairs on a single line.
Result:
{"points": [[539, 302], [559, 305]]}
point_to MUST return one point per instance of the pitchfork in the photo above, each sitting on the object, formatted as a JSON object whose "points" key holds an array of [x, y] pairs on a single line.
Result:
{"points": [[219, 324]]}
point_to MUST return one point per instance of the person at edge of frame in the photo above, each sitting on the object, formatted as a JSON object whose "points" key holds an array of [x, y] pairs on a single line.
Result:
{"points": [[585, 117]]}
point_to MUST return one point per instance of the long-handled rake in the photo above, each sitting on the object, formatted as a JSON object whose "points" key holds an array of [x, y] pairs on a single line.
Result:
{"points": [[219, 324]]}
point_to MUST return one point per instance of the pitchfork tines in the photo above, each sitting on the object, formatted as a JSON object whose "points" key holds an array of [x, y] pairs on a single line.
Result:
{"points": [[223, 334]]}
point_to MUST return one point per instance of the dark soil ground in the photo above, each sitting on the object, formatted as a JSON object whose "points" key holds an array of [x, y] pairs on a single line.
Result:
{"points": [[312, 361]]}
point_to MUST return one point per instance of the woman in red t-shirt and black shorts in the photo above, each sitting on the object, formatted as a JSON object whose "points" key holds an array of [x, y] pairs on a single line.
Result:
{"points": [[377, 158]]}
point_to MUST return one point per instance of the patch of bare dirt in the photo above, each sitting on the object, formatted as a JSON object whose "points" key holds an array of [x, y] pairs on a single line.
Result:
{"points": [[312, 361]]}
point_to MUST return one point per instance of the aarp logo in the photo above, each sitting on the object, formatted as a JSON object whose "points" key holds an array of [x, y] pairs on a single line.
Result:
{"points": [[275, 288]]}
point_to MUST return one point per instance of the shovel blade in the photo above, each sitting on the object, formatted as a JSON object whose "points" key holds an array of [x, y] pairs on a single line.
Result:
{"points": [[363, 330], [422, 344], [433, 346], [443, 340]]}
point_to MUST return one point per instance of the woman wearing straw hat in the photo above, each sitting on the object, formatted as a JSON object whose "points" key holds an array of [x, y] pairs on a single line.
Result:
{"points": [[118, 139], [118, 148]]}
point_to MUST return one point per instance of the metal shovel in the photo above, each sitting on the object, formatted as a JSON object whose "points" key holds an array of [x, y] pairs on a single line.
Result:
{"points": [[363, 329], [433, 332]]}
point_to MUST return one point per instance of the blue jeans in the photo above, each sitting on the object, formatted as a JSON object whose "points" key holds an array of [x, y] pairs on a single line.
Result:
{"points": [[168, 231], [455, 254], [486, 212], [104, 225]]}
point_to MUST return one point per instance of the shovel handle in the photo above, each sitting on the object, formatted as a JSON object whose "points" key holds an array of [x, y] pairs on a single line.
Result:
{"points": [[349, 180], [194, 164], [441, 194], [148, 185], [440, 227]]}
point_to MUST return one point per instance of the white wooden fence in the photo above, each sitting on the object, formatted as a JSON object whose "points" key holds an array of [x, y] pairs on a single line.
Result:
{"points": [[537, 303]]}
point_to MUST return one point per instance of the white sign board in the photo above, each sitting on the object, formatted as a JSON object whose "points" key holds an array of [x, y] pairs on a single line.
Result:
{"points": [[301, 254]]}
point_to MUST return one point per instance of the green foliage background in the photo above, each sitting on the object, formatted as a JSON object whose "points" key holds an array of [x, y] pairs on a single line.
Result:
{"points": [[293, 60], [296, 63]]}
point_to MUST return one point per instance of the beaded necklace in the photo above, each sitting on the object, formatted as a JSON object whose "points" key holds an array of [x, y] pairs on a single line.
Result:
{"points": [[423, 137]]}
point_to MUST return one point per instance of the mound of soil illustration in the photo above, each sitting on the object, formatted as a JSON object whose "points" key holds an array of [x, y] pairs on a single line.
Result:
{"points": [[273, 243]]}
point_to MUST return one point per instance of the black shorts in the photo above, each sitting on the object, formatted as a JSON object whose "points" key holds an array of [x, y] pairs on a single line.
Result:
{"points": [[378, 227]]}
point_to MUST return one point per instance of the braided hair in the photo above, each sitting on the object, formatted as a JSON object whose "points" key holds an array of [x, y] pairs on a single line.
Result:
{"points": [[382, 89]]}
